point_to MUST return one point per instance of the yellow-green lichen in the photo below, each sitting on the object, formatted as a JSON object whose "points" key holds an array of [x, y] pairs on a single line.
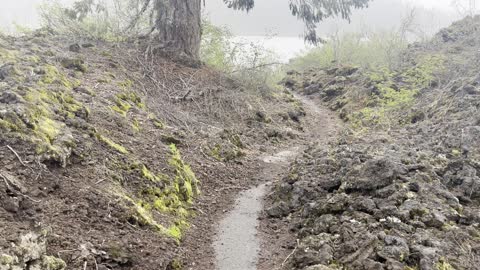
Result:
{"points": [[155, 121], [215, 152], [121, 107], [132, 98], [147, 174], [76, 64], [175, 232], [136, 125], [184, 178], [158, 124], [112, 144], [442, 264], [125, 101], [143, 215], [173, 197], [127, 84], [456, 153], [6, 260], [53, 263], [391, 97], [7, 56], [175, 264], [53, 75], [48, 129], [8, 126], [32, 59]]}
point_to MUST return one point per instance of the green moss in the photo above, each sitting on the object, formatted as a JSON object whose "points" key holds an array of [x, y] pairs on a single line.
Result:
{"points": [[147, 174], [165, 196], [106, 54], [442, 264], [125, 101], [53, 263], [127, 84], [8, 126], [53, 75], [104, 80], [112, 144], [132, 98], [136, 125], [237, 141], [48, 128], [32, 59], [175, 264], [75, 64], [383, 107], [215, 152], [48, 102], [41, 121], [158, 124], [185, 179], [456, 153], [143, 215], [175, 232], [7, 56], [121, 110], [6, 260]]}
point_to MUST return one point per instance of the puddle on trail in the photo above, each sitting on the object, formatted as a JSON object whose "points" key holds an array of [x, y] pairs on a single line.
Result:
{"points": [[237, 245]]}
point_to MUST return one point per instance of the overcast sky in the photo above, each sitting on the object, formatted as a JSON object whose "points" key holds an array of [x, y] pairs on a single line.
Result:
{"points": [[273, 16]]}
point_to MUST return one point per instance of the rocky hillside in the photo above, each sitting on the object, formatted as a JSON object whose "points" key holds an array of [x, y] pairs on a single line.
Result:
{"points": [[105, 150], [400, 188]]}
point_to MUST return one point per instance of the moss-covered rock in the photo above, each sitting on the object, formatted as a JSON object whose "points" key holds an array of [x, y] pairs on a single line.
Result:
{"points": [[74, 63], [53, 263]]}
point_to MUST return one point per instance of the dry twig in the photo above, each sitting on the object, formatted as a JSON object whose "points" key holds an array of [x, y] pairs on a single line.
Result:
{"points": [[16, 154], [290, 255]]}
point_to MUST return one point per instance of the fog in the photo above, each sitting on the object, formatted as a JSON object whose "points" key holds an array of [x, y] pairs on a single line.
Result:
{"points": [[273, 18]]}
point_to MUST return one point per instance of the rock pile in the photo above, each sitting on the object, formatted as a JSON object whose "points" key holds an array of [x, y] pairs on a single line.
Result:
{"points": [[400, 189]]}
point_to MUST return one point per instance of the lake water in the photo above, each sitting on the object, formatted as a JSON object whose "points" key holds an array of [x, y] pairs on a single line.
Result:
{"points": [[285, 47]]}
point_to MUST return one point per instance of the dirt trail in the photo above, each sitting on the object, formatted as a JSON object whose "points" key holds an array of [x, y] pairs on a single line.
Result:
{"points": [[244, 243]]}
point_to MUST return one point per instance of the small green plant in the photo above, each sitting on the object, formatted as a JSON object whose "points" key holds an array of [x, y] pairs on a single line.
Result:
{"points": [[250, 62], [216, 48], [368, 50], [95, 20]]}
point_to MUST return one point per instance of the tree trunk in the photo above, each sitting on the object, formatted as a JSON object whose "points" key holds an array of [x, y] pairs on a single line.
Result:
{"points": [[179, 27]]}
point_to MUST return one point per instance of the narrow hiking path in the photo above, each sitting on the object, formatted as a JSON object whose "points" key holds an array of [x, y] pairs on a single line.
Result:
{"points": [[243, 242]]}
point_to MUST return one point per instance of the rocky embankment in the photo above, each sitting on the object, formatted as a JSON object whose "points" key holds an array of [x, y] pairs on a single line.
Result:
{"points": [[400, 187]]}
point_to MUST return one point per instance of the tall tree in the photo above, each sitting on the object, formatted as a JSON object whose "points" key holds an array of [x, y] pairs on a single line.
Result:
{"points": [[178, 22], [179, 27]]}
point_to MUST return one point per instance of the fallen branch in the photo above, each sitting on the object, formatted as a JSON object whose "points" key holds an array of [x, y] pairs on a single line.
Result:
{"points": [[5, 180], [16, 189], [95, 260], [138, 15], [290, 255], [16, 154]]}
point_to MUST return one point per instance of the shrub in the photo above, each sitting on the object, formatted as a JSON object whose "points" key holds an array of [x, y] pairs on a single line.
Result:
{"points": [[372, 50], [247, 61], [104, 20], [216, 48]]}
